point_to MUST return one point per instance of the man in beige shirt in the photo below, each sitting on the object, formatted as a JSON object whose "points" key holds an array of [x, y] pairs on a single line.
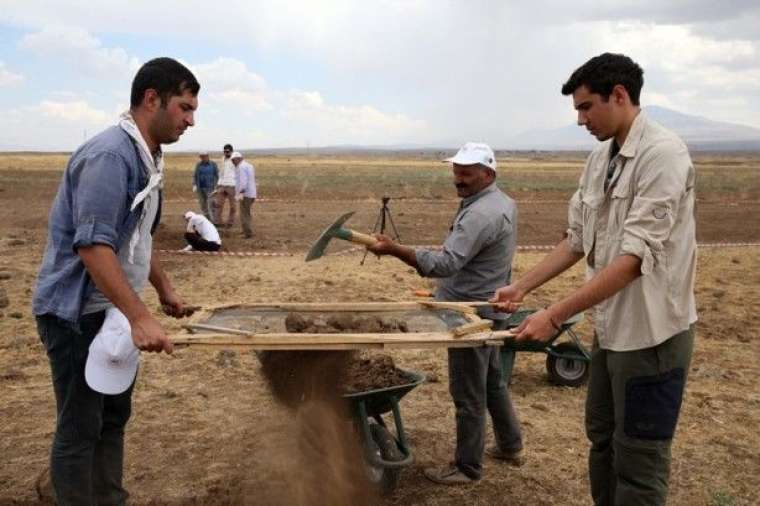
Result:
{"points": [[632, 219]]}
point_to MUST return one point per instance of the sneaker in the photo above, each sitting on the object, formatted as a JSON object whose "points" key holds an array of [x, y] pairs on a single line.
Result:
{"points": [[515, 457], [187, 248], [449, 475]]}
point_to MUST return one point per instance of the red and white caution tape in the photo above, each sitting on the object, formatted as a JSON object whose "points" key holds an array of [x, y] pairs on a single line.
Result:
{"points": [[228, 253], [358, 249]]}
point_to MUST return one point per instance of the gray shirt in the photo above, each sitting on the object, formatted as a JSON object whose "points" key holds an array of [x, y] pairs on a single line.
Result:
{"points": [[476, 258]]}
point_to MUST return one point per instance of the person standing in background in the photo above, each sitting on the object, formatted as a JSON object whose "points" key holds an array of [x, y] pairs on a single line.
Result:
{"points": [[225, 190], [245, 191], [204, 182]]}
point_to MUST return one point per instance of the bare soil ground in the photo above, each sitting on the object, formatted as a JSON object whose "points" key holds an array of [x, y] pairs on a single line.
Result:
{"points": [[205, 429]]}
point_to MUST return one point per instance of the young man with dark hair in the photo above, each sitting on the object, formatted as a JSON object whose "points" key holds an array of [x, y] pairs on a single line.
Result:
{"points": [[99, 256], [632, 219]]}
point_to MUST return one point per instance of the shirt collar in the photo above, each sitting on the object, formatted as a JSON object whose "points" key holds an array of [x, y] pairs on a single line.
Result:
{"points": [[633, 140], [472, 198]]}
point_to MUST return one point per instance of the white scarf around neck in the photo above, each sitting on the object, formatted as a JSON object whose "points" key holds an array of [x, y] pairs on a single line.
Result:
{"points": [[155, 170]]}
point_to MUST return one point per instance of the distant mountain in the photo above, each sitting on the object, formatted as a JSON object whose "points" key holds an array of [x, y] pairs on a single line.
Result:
{"points": [[701, 134]]}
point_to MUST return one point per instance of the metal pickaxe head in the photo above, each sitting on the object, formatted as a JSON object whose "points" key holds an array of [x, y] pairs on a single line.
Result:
{"points": [[337, 230]]}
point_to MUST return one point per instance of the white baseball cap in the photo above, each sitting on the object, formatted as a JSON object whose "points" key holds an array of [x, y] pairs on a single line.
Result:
{"points": [[236, 154], [113, 359], [203, 153], [473, 153], [189, 215]]}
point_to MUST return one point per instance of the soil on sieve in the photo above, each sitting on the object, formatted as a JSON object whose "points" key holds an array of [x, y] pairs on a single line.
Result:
{"points": [[342, 323]]}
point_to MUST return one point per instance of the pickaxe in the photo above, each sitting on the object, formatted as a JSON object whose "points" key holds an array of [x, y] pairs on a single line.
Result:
{"points": [[337, 230]]}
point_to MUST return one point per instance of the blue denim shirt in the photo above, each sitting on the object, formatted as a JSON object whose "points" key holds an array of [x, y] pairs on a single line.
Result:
{"points": [[206, 175], [91, 207]]}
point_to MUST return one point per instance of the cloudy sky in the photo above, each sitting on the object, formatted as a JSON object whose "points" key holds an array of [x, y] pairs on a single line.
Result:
{"points": [[316, 73]]}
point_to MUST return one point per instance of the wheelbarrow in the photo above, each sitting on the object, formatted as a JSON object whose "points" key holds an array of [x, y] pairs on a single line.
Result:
{"points": [[384, 453], [567, 362]]}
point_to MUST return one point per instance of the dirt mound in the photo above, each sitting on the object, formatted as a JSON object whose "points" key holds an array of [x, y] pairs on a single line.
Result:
{"points": [[372, 373], [343, 323]]}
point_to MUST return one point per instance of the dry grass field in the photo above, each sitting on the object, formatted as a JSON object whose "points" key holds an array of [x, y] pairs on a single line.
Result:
{"points": [[204, 428]]}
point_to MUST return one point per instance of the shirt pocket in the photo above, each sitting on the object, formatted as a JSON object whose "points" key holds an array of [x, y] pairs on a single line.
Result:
{"points": [[620, 203], [590, 209]]}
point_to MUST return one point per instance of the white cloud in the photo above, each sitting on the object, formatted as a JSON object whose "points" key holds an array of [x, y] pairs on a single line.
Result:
{"points": [[8, 77], [79, 112], [51, 125], [337, 124], [81, 50], [228, 82]]}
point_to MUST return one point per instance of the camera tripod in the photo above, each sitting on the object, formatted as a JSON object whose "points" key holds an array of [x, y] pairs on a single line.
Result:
{"points": [[383, 219]]}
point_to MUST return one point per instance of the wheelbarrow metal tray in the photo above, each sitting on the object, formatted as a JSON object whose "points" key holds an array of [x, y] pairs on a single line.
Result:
{"points": [[381, 400]]}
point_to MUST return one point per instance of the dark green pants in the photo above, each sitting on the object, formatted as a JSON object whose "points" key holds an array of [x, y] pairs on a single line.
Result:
{"points": [[632, 407]]}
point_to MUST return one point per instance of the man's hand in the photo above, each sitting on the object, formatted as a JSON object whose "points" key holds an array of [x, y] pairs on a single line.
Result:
{"points": [[148, 335], [195, 189], [239, 197], [173, 305], [384, 245], [536, 327], [507, 299]]}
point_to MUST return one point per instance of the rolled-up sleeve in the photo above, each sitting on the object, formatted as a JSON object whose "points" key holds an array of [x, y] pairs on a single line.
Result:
{"points": [[654, 207], [99, 200], [574, 231], [470, 232]]}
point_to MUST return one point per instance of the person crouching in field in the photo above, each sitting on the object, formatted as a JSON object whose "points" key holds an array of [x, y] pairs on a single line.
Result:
{"points": [[201, 234], [99, 255], [632, 219]]}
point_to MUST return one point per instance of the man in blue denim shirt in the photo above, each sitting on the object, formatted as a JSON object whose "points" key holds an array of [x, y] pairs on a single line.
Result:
{"points": [[204, 181], [99, 255]]}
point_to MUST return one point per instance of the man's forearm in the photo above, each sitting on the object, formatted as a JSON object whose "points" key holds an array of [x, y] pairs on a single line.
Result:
{"points": [[607, 282], [158, 277], [405, 254], [104, 269], [553, 264]]}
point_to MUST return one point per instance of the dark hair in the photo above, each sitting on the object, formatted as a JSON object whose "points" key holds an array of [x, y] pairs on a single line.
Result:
{"points": [[601, 73], [165, 75], [228, 146]]}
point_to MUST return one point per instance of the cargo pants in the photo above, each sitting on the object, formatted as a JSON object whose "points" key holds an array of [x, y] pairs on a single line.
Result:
{"points": [[632, 407]]}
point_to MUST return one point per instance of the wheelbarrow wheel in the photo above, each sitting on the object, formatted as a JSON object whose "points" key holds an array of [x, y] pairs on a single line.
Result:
{"points": [[567, 372], [385, 479]]}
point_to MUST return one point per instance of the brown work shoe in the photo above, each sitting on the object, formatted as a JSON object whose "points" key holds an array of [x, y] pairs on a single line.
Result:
{"points": [[449, 475], [515, 457]]}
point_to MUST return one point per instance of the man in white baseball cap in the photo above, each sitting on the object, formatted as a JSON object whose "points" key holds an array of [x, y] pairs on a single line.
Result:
{"points": [[113, 358], [476, 255], [475, 153]]}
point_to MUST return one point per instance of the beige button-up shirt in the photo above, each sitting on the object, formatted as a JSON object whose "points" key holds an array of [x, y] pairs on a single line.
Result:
{"points": [[647, 211]]}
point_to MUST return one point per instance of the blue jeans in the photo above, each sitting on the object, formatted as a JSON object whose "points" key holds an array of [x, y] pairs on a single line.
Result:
{"points": [[87, 456]]}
